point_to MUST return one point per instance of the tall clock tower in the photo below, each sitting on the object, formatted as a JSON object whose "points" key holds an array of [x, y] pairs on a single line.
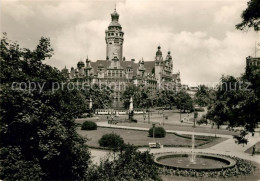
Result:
{"points": [[114, 38]]}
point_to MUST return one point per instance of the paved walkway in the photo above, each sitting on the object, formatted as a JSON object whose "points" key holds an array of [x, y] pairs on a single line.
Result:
{"points": [[105, 124], [227, 147]]}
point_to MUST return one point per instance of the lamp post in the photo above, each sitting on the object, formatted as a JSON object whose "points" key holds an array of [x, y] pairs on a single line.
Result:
{"points": [[180, 112], [148, 112], [153, 129], [195, 116], [144, 115]]}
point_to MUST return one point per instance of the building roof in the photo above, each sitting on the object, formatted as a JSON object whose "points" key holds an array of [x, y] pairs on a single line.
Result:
{"points": [[132, 64], [149, 65], [114, 23], [95, 65]]}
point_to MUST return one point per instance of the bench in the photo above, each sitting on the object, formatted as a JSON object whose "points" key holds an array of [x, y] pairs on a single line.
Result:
{"points": [[155, 145]]}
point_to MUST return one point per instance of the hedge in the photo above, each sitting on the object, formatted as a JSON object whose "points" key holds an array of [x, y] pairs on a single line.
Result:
{"points": [[111, 140], [89, 125], [159, 132]]}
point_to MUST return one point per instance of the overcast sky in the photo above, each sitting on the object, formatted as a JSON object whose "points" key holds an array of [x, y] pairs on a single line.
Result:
{"points": [[200, 34]]}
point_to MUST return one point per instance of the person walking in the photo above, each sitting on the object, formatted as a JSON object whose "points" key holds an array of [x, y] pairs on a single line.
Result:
{"points": [[253, 151]]}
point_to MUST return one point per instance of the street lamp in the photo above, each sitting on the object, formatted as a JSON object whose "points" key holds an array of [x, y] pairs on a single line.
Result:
{"points": [[153, 129], [180, 112], [144, 115], [195, 116], [148, 112]]}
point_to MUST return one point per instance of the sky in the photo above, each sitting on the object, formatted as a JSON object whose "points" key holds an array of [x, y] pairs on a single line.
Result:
{"points": [[200, 34]]}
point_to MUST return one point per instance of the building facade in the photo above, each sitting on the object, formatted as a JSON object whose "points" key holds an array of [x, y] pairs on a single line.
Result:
{"points": [[253, 62], [118, 73]]}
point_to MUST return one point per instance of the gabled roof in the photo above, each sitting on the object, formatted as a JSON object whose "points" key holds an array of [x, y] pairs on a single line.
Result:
{"points": [[95, 65], [149, 65], [126, 64]]}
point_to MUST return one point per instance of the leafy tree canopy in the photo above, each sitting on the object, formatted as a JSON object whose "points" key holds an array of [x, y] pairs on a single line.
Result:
{"points": [[38, 138], [250, 16]]}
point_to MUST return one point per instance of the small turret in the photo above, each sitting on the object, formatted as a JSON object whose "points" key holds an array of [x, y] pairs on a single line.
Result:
{"points": [[80, 64], [158, 56]]}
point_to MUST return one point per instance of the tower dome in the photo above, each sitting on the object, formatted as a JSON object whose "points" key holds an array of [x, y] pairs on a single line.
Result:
{"points": [[169, 57], [80, 64], [114, 16], [159, 52]]}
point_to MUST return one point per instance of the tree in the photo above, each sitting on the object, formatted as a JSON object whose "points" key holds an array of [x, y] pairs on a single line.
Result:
{"points": [[218, 112], [184, 101], [38, 137], [235, 104], [101, 96], [131, 91], [166, 98], [130, 165], [157, 132], [241, 139], [141, 97], [250, 16], [111, 141], [202, 97]]}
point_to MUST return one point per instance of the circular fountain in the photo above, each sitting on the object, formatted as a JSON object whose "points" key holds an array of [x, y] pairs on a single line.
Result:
{"points": [[201, 162], [194, 161]]}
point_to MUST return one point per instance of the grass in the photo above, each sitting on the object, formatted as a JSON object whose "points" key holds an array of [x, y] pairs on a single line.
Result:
{"points": [[140, 138], [178, 127]]}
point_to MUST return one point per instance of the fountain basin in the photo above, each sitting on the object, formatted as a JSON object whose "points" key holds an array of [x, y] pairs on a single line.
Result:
{"points": [[203, 162]]}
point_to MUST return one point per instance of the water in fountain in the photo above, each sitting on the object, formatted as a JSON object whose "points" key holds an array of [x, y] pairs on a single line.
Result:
{"points": [[193, 154]]}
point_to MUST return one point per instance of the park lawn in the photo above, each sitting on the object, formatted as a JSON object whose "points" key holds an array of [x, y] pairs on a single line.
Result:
{"points": [[140, 138], [179, 127]]}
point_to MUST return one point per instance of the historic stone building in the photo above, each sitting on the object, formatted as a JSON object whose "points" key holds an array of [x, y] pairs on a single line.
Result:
{"points": [[118, 73], [253, 61]]}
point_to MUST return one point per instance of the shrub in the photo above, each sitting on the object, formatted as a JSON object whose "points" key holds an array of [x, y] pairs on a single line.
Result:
{"points": [[134, 120], [89, 125], [159, 132], [203, 120], [112, 141], [199, 109], [130, 165]]}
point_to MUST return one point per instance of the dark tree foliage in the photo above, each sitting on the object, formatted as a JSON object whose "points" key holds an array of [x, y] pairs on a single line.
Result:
{"points": [[101, 96], [142, 97], [146, 98], [202, 96], [166, 98], [112, 141], [130, 165], [235, 104], [241, 139], [89, 125], [38, 138], [250, 16], [184, 101], [159, 132]]}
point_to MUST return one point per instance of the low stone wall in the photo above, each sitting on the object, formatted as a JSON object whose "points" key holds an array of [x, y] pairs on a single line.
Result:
{"points": [[230, 162]]}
